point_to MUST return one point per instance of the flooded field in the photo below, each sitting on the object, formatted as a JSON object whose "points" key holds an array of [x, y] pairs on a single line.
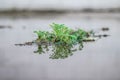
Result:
{"points": [[99, 60]]}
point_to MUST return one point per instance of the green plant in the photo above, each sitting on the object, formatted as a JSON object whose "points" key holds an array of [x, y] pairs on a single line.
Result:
{"points": [[61, 34], [62, 38]]}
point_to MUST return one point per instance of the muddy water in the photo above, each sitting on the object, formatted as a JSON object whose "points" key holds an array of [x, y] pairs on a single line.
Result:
{"points": [[99, 60]]}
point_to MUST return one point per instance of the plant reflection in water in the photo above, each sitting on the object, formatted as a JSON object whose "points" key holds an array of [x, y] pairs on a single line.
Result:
{"points": [[61, 41], [59, 51]]}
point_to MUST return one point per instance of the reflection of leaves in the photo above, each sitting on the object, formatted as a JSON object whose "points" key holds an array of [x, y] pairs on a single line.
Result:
{"points": [[39, 50], [60, 51]]}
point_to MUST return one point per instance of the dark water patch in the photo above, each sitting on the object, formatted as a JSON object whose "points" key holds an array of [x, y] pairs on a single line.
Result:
{"points": [[5, 27], [107, 10], [105, 29]]}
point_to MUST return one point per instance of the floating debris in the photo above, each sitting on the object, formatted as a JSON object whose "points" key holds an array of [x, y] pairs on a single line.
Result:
{"points": [[104, 35], [24, 44]]}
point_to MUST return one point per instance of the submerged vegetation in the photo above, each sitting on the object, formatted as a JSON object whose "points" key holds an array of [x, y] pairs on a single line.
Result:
{"points": [[62, 40]]}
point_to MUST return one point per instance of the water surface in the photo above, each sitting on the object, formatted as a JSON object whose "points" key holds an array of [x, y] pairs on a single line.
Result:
{"points": [[99, 60]]}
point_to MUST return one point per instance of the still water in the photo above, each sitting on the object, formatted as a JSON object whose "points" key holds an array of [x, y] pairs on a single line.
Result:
{"points": [[99, 60]]}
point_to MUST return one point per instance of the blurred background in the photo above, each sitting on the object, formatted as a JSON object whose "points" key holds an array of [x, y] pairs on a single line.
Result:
{"points": [[99, 60], [58, 4]]}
